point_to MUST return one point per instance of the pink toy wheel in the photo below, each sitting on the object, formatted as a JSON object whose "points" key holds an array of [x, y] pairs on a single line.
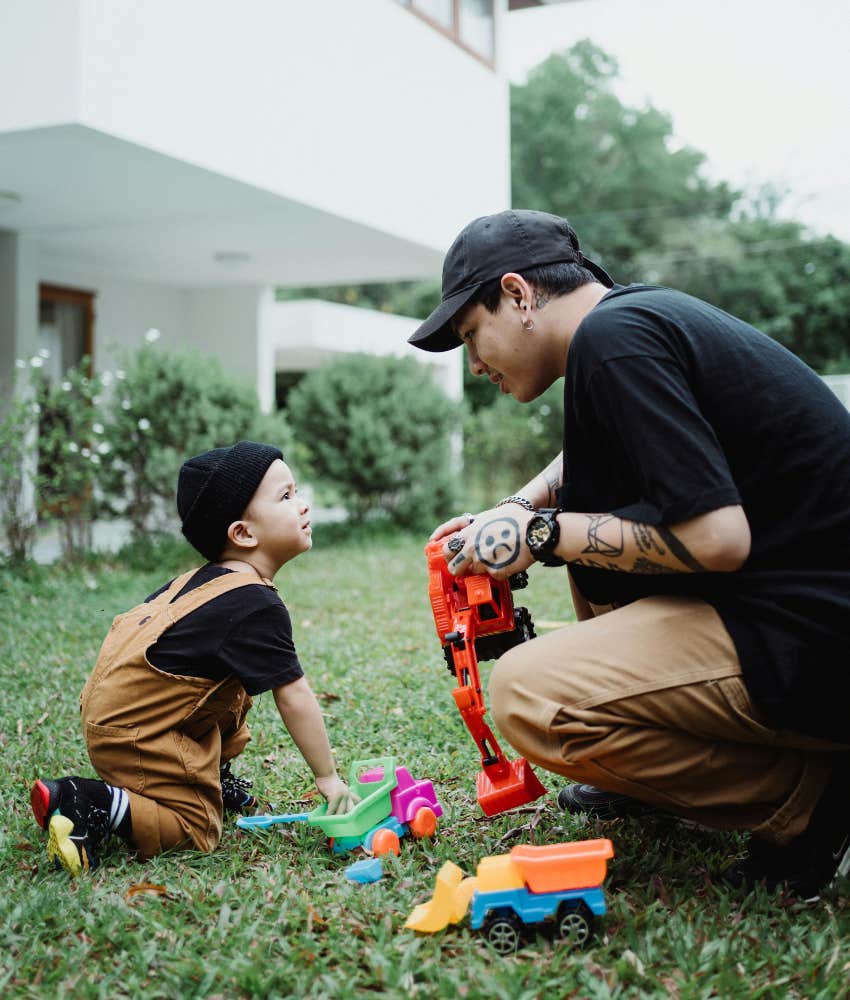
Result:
{"points": [[424, 823], [385, 842]]}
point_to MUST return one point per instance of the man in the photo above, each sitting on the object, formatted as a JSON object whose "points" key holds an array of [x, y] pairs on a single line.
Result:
{"points": [[702, 505]]}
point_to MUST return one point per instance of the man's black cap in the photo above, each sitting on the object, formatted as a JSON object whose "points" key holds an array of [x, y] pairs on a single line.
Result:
{"points": [[490, 247]]}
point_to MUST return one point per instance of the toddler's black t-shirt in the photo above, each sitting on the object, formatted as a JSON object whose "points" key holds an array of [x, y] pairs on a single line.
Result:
{"points": [[246, 632]]}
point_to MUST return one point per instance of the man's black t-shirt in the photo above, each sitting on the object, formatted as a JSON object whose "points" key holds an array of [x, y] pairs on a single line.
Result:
{"points": [[246, 632], [674, 408]]}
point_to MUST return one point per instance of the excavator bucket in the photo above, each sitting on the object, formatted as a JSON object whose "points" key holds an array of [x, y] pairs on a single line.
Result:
{"points": [[505, 787], [439, 911]]}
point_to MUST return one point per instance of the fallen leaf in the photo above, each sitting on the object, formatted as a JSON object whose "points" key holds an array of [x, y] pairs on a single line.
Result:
{"points": [[145, 889]]}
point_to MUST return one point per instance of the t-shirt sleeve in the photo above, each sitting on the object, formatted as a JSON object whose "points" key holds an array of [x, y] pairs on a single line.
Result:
{"points": [[649, 420], [260, 650]]}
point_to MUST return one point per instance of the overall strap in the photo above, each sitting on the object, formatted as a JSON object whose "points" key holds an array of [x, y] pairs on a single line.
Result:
{"points": [[174, 588], [223, 584]]}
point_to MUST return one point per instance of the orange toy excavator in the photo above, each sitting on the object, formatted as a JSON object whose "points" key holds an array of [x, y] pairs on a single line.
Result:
{"points": [[475, 619]]}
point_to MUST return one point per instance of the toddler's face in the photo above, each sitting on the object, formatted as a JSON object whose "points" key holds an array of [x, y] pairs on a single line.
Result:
{"points": [[278, 516]]}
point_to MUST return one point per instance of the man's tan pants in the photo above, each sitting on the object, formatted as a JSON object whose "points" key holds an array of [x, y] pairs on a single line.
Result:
{"points": [[648, 700]]}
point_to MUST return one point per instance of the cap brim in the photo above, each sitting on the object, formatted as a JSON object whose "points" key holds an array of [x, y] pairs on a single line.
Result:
{"points": [[436, 333]]}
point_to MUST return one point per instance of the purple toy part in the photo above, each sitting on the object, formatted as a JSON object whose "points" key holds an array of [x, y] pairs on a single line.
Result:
{"points": [[409, 795]]}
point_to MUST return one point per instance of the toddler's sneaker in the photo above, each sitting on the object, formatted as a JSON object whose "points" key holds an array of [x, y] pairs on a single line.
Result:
{"points": [[236, 793], [75, 813]]}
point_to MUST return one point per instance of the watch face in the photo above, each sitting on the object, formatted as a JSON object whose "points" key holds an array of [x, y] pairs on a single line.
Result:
{"points": [[539, 533]]}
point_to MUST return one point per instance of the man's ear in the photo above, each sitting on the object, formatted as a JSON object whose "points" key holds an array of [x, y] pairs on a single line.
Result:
{"points": [[517, 289], [240, 536]]}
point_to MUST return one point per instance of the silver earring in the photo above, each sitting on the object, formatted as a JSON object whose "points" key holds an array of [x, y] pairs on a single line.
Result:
{"points": [[528, 324]]}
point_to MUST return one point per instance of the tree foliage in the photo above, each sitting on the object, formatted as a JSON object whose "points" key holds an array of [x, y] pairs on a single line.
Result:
{"points": [[378, 429], [768, 271], [614, 171]]}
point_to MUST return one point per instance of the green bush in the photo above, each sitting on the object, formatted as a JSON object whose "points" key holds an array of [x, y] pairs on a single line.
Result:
{"points": [[505, 444], [70, 452], [378, 429], [18, 430], [164, 407]]}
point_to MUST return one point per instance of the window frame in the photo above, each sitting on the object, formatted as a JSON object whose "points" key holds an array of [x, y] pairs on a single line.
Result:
{"points": [[453, 33]]}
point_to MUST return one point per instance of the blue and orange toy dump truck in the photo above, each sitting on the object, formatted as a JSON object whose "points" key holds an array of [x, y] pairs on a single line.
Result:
{"points": [[555, 885]]}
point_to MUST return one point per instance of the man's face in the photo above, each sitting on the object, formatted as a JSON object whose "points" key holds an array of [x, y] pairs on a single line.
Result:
{"points": [[497, 346]]}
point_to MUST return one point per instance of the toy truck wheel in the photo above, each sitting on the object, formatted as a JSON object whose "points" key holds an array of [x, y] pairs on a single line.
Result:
{"points": [[575, 924], [385, 842], [504, 932], [424, 822]]}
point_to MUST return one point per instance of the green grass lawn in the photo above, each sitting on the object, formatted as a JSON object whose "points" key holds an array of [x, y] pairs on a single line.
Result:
{"points": [[271, 914]]}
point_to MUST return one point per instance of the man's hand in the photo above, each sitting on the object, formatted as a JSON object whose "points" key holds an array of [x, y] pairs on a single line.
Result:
{"points": [[452, 526], [339, 796], [494, 543]]}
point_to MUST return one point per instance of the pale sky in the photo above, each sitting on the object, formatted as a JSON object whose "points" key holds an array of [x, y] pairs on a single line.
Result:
{"points": [[762, 87]]}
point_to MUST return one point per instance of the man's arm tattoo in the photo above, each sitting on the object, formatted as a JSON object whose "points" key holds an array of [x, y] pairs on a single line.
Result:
{"points": [[644, 539], [552, 478], [679, 550], [604, 535], [605, 540]]}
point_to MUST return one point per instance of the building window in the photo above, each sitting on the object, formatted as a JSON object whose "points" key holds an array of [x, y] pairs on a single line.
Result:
{"points": [[469, 23]]}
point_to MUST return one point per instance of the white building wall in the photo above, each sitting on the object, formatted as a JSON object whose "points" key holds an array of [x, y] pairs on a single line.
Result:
{"points": [[39, 63], [301, 335], [357, 108], [224, 322], [124, 310], [18, 301]]}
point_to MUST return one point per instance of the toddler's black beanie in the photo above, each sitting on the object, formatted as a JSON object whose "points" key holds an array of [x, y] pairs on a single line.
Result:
{"points": [[214, 488]]}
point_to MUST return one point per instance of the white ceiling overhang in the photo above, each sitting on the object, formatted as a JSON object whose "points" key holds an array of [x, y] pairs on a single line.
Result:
{"points": [[123, 209]]}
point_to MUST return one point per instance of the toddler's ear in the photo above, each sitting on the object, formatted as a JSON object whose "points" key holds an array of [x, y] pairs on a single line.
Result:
{"points": [[241, 536]]}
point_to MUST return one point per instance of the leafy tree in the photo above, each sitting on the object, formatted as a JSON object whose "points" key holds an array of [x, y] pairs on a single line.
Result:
{"points": [[772, 274], [614, 171], [379, 430]]}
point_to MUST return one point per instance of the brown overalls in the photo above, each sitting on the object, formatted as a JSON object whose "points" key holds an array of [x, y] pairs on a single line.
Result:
{"points": [[161, 736]]}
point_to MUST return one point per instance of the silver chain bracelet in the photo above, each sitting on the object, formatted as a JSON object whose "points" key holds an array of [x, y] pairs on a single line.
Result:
{"points": [[518, 500]]}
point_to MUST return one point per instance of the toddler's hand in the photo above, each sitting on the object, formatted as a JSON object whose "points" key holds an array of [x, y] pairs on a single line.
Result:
{"points": [[340, 797]]}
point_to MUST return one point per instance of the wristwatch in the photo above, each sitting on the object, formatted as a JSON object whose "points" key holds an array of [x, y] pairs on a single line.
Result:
{"points": [[542, 535]]}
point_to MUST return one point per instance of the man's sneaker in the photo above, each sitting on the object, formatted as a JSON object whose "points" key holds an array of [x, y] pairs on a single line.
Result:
{"points": [[591, 801], [236, 793], [811, 861], [75, 813]]}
